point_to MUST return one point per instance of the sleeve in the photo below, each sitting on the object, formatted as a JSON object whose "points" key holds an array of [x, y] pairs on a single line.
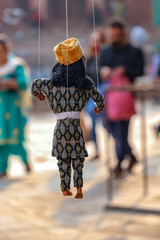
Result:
{"points": [[97, 98], [137, 69], [21, 78], [41, 85]]}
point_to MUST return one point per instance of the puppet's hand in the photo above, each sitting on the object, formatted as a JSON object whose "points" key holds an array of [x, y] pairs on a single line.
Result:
{"points": [[97, 111], [41, 96]]}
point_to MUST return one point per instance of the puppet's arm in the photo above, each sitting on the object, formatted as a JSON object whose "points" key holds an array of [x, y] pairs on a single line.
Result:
{"points": [[98, 99], [39, 87]]}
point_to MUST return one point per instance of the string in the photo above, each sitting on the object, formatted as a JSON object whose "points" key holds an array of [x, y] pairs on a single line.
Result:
{"points": [[67, 20], [67, 36], [39, 36], [95, 42]]}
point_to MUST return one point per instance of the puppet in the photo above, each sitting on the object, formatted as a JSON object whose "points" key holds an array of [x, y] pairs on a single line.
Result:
{"points": [[68, 90]]}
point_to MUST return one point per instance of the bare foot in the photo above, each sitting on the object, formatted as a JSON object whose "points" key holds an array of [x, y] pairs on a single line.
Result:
{"points": [[79, 194], [67, 193]]}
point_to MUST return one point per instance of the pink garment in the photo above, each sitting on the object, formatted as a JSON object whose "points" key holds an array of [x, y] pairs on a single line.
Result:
{"points": [[119, 104]]}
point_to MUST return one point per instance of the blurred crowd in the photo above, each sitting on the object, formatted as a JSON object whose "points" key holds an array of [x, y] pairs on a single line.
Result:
{"points": [[119, 65], [112, 61]]}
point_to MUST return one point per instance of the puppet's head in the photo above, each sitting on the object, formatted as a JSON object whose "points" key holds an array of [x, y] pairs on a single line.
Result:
{"points": [[71, 61]]}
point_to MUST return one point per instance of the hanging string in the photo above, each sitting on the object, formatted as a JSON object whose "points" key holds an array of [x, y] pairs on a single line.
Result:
{"points": [[39, 35], [95, 42], [67, 19], [67, 36]]}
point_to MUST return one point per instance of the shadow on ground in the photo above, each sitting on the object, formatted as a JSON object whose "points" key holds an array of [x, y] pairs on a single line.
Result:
{"points": [[4, 183]]}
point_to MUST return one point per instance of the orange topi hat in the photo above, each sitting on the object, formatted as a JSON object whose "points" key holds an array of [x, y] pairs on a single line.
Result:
{"points": [[69, 51]]}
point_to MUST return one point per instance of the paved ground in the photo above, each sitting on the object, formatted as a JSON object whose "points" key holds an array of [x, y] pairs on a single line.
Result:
{"points": [[32, 207]]}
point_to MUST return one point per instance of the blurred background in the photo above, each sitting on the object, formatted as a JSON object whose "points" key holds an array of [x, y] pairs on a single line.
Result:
{"points": [[19, 19], [31, 205]]}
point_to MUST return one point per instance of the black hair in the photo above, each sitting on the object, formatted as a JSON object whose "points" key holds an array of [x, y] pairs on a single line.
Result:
{"points": [[76, 75], [117, 24]]}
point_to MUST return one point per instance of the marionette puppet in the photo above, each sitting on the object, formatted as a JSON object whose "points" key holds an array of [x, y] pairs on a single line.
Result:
{"points": [[68, 90]]}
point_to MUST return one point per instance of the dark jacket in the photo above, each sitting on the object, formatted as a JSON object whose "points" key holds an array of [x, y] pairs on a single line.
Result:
{"points": [[129, 57]]}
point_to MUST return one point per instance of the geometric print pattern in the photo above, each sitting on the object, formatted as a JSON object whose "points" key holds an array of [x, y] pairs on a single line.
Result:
{"points": [[65, 172], [68, 141]]}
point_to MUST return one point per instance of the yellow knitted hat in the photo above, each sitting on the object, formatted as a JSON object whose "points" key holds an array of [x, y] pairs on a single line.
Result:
{"points": [[69, 51]]}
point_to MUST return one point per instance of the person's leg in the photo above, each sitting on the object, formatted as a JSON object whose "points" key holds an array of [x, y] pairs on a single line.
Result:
{"points": [[93, 131], [94, 136], [132, 163], [20, 150], [122, 143], [158, 127], [157, 130], [119, 132], [115, 130], [78, 176], [64, 166], [126, 146], [128, 150], [4, 154], [111, 128]]}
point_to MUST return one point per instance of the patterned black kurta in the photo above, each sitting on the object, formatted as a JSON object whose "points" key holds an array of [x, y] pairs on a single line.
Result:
{"points": [[68, 140]]}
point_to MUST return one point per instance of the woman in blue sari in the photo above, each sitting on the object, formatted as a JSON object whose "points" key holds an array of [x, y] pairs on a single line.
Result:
{"points": [[14, 80]]}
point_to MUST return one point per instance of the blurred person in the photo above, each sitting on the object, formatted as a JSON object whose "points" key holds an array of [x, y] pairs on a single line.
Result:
{"points": [[34, 18], [98, 12], [34, 21], [13, 16], [120, 64], [139, 35], [14, 80], [91, 71]]}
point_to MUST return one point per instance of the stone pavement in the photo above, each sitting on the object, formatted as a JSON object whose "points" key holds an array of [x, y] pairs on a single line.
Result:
{"points": [[32, 207]]}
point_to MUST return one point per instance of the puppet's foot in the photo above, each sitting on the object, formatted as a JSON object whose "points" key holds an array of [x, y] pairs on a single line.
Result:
{"points": [[79, 194], [67, 193]]}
